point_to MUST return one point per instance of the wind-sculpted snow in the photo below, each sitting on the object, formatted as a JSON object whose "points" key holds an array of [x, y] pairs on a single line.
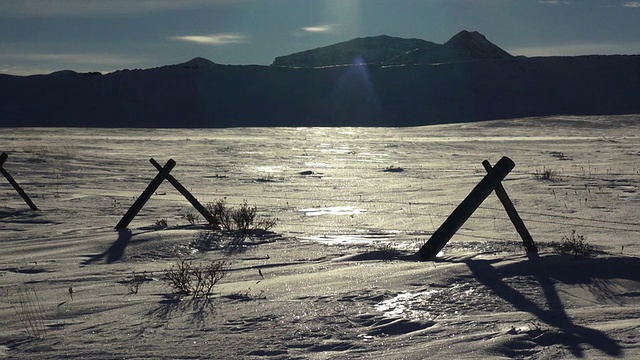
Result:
{"points": [[338, 277]]}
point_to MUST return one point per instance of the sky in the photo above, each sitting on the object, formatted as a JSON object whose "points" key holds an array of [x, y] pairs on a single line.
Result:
{"points": [[43, 36]]}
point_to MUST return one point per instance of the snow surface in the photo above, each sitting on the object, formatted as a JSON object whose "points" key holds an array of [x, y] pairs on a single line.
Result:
{"points": [[331, 284]]}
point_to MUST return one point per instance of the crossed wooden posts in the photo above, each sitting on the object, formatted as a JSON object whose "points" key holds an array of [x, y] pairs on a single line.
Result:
{"points": [[491, 182], [25, 197], [153, 186]]}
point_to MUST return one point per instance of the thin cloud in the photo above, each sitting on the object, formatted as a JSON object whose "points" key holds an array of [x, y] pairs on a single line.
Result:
{"points": [[213, 39], [554, 2], [324, 28], [632, 4]]}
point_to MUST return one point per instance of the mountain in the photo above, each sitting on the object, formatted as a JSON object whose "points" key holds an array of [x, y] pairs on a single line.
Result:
{"points": [[464, 46], [196, 63], [387, 50], [475, 46], [200, 93], [370, 50]]}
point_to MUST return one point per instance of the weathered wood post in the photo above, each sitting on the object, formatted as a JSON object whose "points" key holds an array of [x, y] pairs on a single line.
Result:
{"points": [[146, 195], [466, 208], [196, 204], [513, 213], [25, 197]]}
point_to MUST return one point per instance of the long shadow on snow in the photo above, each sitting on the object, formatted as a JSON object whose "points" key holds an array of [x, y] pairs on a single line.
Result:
{"points": [[558, 268], [198, 309], [115, 251], [25, 216]]}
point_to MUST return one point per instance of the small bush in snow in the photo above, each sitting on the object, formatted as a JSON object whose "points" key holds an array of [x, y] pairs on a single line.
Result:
{"points": [[196, 280], [192, 218], [242, 219], [30, 311], [574, 244], [546, 174], [161, 223]]}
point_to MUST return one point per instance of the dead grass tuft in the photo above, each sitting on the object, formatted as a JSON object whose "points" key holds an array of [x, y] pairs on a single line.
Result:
{"points": [[574, 244]]}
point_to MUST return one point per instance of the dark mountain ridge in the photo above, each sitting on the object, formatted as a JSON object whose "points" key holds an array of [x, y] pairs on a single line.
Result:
{"points": [[370, 50], [387, 50], [464, 46], [200, 93]]}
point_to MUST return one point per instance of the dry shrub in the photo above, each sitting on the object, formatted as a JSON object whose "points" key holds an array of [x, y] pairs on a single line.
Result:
{"points": [[242, 219], [387, 249], [29, 310], [161, 224], [574, 244], [134, 282], [195, 280], [192, 218], [546, 174]]}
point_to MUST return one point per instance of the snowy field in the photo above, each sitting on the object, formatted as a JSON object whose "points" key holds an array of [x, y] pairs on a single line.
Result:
{"points": [[337, 278]]}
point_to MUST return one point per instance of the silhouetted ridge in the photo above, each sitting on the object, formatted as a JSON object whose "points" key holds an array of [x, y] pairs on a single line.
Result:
{"points": [[464, 46], [371, 50], [479, 82], [388, 50]]}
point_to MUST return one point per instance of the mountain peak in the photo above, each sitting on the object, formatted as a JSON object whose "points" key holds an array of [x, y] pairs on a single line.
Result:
{"points": [[198, 63], [472, 45], [467, 36]]}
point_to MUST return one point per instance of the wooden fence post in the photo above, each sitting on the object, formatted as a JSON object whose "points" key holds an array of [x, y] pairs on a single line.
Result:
{"points": [[201, 209], [513, 213], [466, 208], [25, 197], [146, 194]]}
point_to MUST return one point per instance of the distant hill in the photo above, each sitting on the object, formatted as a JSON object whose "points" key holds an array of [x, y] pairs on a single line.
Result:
{"points": [[387, 50], [369, 50], [200, 93], [464, 46]]}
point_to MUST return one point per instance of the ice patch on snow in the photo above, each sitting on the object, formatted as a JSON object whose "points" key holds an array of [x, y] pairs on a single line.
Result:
{"points": [[405, 304], [343, 239], [333, 210]]}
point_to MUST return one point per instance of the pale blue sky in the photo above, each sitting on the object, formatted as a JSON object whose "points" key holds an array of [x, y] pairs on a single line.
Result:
{"points": [[42, 36]]}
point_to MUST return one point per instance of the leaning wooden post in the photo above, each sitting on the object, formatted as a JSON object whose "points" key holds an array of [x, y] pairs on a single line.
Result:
{"points": [[146, 194], [513, 213], [25, 197], [196, 204], [466, 208]]}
